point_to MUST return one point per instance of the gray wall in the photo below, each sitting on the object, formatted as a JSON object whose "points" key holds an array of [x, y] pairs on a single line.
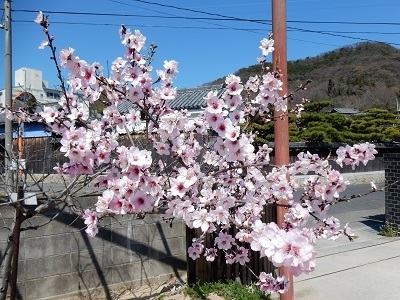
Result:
{"points": [[59, 259], [392, 194]]}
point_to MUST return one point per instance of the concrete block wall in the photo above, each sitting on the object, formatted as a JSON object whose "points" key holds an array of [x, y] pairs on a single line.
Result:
{"points": [[59, 260], [392, 194]]}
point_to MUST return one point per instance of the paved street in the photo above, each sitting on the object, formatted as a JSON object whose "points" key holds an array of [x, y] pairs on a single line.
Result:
{"points": [[364, 269]]}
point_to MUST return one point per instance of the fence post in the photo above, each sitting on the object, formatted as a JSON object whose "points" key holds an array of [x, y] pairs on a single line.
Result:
{"points": [[191, 264], [392, 194]]}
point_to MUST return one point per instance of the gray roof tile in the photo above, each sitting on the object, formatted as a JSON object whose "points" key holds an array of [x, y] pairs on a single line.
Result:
{"points": [[345, 110], [193, 98]]}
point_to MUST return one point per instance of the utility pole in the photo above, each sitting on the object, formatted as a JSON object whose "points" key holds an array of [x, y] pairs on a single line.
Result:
{"points": [[8, 148], [8, 97], [281, 126]]}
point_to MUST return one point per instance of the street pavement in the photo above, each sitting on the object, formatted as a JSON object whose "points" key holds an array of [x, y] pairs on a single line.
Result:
{"points": [[367, 268]]}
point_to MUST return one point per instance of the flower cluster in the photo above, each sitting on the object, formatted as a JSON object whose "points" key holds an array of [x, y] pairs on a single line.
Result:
{"points": [[353, 155], [270, 284], [204, 171]]}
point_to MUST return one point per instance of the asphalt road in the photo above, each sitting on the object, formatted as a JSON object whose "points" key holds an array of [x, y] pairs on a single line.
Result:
{"points": [[368, 210], [364, 215]]}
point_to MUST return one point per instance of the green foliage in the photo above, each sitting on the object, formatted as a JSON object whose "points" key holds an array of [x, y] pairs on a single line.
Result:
{"points": [[376, 125], [98, 106], [372, 125], [31, 104], [389, 230], [317, 106], [231, 290]]}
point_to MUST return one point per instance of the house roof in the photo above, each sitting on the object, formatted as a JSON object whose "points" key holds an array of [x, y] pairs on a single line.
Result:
{"points": [[192, 98], [345, 111]]}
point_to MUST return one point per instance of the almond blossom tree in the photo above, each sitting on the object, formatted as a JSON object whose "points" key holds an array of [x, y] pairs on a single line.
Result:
{"points": [[205, 171]]}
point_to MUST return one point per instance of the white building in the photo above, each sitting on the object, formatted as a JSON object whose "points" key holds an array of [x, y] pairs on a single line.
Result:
{"points": [[31, 81]]}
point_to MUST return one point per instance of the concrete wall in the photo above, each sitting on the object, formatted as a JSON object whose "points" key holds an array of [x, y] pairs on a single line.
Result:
{"points": [[59, 260], [392, 194]]}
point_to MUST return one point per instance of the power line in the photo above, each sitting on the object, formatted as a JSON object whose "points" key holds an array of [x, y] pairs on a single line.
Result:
{"points": [[337, 35], [254, 20], [127, 15], [221, 18], [141, 25], [344, 22], [211, 28], [190, 10], [164, 13], [260, 31]]}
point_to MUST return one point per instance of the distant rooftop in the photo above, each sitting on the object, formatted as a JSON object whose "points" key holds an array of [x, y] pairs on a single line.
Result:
{"points": [[345, 111], [192, 98]]}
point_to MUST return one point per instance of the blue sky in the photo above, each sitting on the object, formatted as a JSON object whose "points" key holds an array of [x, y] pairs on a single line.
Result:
{"points": [[195, 33]]}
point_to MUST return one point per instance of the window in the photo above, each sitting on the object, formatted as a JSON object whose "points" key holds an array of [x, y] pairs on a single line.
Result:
{"points": [[53, 95]]}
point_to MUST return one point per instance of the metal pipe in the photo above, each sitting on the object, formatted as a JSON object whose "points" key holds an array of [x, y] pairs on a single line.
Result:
{"points": [[281, 128]]}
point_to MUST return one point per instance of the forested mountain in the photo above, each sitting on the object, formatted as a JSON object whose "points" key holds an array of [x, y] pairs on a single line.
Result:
{"points": [[360, 76]]}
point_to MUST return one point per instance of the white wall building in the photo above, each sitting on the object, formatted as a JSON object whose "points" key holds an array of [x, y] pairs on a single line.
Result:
{"points": [[31, 81]]}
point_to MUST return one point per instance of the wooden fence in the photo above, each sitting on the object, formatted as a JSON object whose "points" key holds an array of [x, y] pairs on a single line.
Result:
{"points": [[41, 154], [200, 270]]}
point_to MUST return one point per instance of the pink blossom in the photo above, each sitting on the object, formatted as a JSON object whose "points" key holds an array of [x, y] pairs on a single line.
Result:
{"points": [[267, 46], [90, 217], [49, 114], [171, 68], [178, 187], [39, 19], [354, 155], [224, 241], [196, 249], [187, 176], [211, 254], [194, 252], [136, 41], [294, 251], [234, 87], [142, 202], [43, 44], [242, 256], [92, 230], [230, 258], [202, 219], [66, 56], [133, 75], [214, 104], [270, 284], [253, 83]]}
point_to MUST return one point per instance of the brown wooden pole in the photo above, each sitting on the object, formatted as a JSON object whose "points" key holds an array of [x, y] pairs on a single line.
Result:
{"points": [[281, 128]]}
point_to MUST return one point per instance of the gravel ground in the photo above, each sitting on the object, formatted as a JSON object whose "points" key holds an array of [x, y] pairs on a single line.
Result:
{"points": [[171, 290]]}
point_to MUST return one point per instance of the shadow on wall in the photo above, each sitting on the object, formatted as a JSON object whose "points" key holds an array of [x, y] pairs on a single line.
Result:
{"points": [[60, 259]]}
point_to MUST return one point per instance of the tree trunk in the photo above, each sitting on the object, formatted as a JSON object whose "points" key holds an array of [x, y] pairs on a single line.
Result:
{"points": [[15, 252], [5, 268]]}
